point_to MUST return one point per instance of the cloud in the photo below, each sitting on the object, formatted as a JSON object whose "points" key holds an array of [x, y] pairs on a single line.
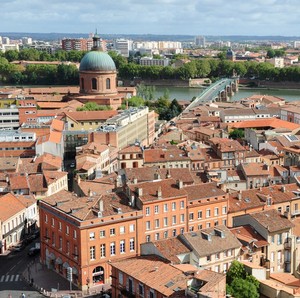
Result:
{"points": [[207, 17]]}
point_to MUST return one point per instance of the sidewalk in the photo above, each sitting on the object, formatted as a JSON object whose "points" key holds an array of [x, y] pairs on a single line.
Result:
{"points": [[51, 284]]}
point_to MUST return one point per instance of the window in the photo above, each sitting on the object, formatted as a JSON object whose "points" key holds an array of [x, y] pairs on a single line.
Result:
{"points": [[121, 278], [208, 225], [216, 211], [156, 209], [52, 222], [92, 253], [224, 210], [131, 228], [92, 235], [208, 258], [122, 246], [53, 239], [59, 225], [191, 229], [94, 84], [102, 250], [207, 213], [74, 234], [217, 256], [174, 206], [156, 236], [165, 234], [199, 227], [148, 238], [102, 233], [60, 243], [75, 252], [67, 247], [279, 238], [165, 207], [181, 217], [272, 239], [131, 244], [174, 233], [108, 83], [67, 230], [141, 289], [181, 204], [191, 216], [272, 256], [147, 225], [181, 230], [46, 218], [112, 232], [122, 230], [165, 221], [199, 214], [174, 220], [279, 209], [157, 223], [112, 248], [147, 211]]}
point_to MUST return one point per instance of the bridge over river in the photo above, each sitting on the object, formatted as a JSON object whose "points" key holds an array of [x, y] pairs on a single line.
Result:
{"points": [[219, 91]]}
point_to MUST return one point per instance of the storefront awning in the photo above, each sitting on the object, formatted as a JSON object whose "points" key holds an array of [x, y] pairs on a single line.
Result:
{"points": [[58, 261]]}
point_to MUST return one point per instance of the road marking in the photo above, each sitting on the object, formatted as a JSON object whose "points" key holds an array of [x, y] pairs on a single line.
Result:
{"points": [[2, 278], [12, 268], [17, 277], [12, 277], [7, 278]]}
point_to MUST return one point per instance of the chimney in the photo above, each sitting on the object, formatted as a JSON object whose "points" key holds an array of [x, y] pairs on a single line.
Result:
{"points": [[283, 188], [168, 174], [159, 192], [156, 175], [240, 195], [90, 193], [180, 184], [100, 205], [139, 191]]}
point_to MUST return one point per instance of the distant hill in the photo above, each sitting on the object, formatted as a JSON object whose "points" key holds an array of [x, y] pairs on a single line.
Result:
{"points": [[233, 38]]}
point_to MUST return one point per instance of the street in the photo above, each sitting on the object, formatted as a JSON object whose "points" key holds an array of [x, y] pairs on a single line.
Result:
{"points": [[11, 268]]}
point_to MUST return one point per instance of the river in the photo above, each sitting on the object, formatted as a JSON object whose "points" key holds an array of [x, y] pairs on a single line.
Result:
{"points": [[185, 93]]}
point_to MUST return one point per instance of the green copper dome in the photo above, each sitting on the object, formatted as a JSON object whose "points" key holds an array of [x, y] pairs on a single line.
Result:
{"points": [[97, 61]]}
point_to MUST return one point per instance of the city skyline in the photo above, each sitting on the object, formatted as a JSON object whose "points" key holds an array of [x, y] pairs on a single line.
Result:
{"points": [[203, 17]]}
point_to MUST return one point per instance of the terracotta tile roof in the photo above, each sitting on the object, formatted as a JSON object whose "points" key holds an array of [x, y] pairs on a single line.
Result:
{"points": [[98, 186], [201, 246], [271, 122], [91, 115], [168, 187], [210, 279], [149, 173], [51, 104], [85, 165], [57, 125], [226, 145], [170, 248], [9, 163], [94, 146], [18, 181], [251, 153], [272, 220], [37, 183], [252, 198], [174, 135], [255, 169], [86, 208], [11, 205], [131, 149], [155, 273], [52, 176], [164, 154], [204, 191], [248, 235]]}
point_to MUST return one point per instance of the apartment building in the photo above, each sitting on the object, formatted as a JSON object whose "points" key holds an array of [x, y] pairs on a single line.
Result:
{"points": [[86, 232]]}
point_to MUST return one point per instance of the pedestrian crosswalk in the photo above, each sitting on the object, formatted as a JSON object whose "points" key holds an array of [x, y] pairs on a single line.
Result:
{"points": [[9, 278]]}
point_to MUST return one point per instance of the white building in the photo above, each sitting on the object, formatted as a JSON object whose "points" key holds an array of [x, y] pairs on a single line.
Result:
{"points": [[151, 61], [18, 216], [123, 46], [200, 41]]}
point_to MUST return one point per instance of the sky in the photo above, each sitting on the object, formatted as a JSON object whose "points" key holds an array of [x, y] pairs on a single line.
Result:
{"points": [[170, 17]]}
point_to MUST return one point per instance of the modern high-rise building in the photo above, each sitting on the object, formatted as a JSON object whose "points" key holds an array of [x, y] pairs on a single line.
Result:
{"points": [[123, 46], [78, 44], [200, 41]]}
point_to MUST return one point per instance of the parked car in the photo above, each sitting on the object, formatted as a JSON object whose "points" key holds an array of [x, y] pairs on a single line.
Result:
{"points": [[33, 251]]}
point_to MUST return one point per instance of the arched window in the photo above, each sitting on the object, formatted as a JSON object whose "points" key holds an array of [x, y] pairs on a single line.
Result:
{"points": [[82, 83], [94, 84], [107, 83]]}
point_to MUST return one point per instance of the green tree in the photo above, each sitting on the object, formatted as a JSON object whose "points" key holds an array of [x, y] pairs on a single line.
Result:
{"points": [[241, 288], [237, 134], [92, 106], [270, 53], [136, 101], [11, 55], [118, 59], [236, 270], [29, 55]]}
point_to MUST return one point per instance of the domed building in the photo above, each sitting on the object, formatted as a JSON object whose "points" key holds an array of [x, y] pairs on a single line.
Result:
{"points": [[98, 78]]}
